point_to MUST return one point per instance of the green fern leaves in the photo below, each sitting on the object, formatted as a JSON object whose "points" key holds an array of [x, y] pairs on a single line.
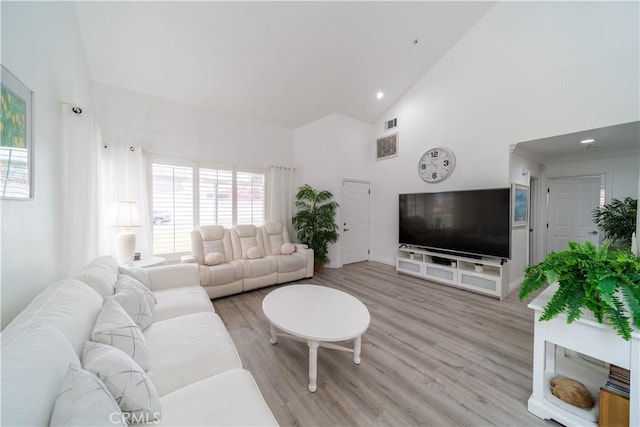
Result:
{"points": [[605, 281]]}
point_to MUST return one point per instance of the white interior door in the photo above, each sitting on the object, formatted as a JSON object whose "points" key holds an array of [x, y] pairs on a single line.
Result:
{"points": [[355, 221], [571, 204]]}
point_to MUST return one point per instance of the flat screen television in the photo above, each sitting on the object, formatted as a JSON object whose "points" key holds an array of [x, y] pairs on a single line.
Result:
{"points": [[473, 222]]}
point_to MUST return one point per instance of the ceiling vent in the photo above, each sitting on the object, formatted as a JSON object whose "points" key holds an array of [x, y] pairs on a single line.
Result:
{"points": [[387, 147], [391, 124]]}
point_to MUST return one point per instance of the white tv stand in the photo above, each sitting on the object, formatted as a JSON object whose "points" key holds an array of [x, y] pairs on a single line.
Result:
{"points": [[486, 276]]}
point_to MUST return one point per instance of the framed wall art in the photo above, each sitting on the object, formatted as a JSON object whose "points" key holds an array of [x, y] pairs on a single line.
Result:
{"points": [[519, 205], [16, 138]]}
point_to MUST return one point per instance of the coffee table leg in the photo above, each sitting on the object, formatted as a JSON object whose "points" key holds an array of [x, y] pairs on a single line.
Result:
{"points": [[313, 365], [357, 346], [274, 337]]}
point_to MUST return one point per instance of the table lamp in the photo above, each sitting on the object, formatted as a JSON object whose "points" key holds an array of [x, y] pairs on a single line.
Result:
{"points": [[124, 214]]}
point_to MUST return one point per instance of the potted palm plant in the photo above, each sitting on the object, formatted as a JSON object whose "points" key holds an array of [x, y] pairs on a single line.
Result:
{"points": [[617, 220], [315, 222], [603, 280]]}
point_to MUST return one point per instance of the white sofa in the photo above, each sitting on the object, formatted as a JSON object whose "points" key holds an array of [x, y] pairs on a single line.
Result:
{"points": [[193, 363], [248, 257]]}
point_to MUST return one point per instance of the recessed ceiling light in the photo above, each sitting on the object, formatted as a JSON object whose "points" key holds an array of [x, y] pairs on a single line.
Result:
{"points": [[587, 141], [379, 95]]}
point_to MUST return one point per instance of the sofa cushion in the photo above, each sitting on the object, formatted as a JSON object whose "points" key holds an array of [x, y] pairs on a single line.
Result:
{"points": [[290, 263], [233, 399], [259, 267], [85, 401], [214, 258], [212, 232], [176, 302], [100, 274], [114, 327], [213, 275], [254, 253], [34, 363], [134, 302], [287, 249], [188, 348], [69, 305], [125, 379]]}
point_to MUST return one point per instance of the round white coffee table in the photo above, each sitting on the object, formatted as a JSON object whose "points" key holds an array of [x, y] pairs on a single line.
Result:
{"points": [[319, 316]]}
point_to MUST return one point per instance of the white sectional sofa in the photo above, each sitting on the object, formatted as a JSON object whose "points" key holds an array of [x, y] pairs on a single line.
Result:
{"points": [[247, 257], [192, 360]]}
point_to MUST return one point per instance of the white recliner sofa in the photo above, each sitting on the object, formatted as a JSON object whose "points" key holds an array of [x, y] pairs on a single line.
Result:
{"points": [[247, 257], [192, 361]]}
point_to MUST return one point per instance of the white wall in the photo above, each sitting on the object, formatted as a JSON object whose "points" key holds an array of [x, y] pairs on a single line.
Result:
{"points": [[41, 46], [170, 128], [526, 71], [329, 150], [621, 173]]}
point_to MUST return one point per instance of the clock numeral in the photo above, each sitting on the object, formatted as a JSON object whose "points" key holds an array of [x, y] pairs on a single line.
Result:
{"points": [[446, 163], [434, 154], [434, 175], [423, 166]]}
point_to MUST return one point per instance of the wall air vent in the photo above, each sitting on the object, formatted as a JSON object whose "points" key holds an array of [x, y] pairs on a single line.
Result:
{"points": [[387, 147], [391, 124]]}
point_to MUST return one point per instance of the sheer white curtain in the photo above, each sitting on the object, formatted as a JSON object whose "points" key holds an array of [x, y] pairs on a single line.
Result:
{"points": [[124, 178], [81, 142], [280, 195]]}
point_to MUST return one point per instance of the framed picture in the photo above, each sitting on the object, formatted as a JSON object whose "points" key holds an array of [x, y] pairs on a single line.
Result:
{"points": [[519, 205], [16, 139]]}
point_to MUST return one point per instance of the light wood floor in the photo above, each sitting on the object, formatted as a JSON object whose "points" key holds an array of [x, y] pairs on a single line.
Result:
{"points": [[433, 355]]}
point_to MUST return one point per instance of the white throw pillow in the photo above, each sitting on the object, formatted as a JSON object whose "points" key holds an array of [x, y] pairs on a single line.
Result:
{"points": [[127, 382], [85, 401], [151, 298], [138, 273], [254, 253], [133, 300], [214, 258], [287, 249], [114, 327]]}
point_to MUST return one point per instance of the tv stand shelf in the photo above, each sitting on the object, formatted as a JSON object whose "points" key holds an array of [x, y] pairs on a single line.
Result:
{"points": [[487, 276]]}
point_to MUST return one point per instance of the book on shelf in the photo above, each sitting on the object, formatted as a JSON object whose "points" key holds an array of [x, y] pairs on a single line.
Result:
{"points": [[618, 381]]}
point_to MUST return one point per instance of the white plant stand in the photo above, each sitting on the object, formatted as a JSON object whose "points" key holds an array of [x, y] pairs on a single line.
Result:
{"points": [[590, 338]]}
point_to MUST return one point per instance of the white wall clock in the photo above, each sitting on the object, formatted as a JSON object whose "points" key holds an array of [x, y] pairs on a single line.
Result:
{"points": [[436, 164]]}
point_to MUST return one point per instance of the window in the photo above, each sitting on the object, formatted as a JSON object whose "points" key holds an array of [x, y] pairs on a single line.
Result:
{"points": [[250, 190], [172, 205], [185, 195], [216, 197]]}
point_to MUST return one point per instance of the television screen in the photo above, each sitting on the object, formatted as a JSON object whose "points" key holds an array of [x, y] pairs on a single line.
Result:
{"points": [[474, 222]]}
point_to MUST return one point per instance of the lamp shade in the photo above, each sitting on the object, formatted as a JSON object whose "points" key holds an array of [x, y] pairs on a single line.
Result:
{"points": [[124, 214]]}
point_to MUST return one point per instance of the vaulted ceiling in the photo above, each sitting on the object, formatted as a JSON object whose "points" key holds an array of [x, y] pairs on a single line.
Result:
{"points": [[285, 63]]}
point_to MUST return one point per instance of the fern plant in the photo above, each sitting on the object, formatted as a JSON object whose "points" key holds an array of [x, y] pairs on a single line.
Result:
{"points": [[314, 221], [617, 220], [605, 281]]}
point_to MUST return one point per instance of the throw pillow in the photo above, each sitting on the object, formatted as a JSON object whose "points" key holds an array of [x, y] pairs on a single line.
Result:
{"points": [[137, 273], [214, 258], [85, 401], [254, 253], [287, 249], [133, 300], [149, 296], [128, 383], [114, 327]]}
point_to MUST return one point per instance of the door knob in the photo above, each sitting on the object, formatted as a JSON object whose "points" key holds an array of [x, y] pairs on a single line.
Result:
{"points": [[593, 232], [346, 229]]}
